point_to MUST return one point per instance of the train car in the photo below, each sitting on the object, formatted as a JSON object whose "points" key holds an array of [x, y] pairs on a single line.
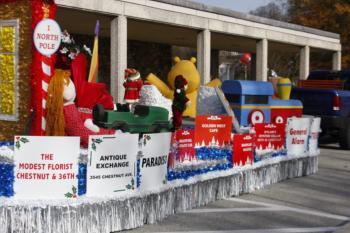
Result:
{"points": [[282, 109], [252, 102], [144, 119]]}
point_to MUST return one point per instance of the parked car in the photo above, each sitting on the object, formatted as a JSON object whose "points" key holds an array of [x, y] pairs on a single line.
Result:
{"points": [[144, 119], [327, 94]]}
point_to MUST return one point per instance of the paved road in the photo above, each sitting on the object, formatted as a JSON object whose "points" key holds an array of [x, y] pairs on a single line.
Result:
{"points": [[317, 203]]}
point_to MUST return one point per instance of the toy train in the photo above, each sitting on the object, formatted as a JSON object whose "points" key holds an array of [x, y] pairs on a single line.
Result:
{"points": [[144, 119], [253, 102]]}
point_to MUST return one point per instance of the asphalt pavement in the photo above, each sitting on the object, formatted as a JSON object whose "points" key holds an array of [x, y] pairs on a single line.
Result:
{"points": [[316, 203]]}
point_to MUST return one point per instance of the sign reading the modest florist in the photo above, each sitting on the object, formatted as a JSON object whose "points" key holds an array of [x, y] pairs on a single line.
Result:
{"points": [[46, 167], [112, 164], [47, 37]]}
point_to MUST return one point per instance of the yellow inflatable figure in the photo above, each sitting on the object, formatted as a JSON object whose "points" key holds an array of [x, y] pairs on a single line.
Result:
{"points": [[189, 71]]}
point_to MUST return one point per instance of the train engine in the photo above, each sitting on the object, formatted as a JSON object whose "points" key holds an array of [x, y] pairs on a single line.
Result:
{"points": [[252, 102]]}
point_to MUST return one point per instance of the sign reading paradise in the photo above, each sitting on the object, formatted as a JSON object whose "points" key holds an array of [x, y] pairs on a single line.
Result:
{"points": [[154, 160], [46, 167], [47, 37], [112, 164]]}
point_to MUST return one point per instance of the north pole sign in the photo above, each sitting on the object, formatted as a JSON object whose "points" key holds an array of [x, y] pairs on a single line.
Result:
{"points": [[47, 37]]}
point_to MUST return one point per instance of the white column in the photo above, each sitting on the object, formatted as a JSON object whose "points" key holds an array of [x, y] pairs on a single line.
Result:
{"points": [[118, 56], [203, 55], [304, 66], [337, 60], [261, 60]]}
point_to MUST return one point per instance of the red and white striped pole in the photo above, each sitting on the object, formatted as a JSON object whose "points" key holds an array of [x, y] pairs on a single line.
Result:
{"points": [[46, 65], [42, 65]]}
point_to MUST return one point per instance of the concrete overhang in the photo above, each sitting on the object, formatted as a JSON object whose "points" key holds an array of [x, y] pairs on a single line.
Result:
{"points": [[137, 30], [195, 16]]}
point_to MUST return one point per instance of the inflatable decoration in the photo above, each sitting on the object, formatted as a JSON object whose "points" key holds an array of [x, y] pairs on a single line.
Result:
{"points": [[188, 70], [245, 59]]}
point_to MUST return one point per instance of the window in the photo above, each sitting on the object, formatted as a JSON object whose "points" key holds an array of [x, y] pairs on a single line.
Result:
{"points": [[8, 70], [256, 99], [232, 98]]}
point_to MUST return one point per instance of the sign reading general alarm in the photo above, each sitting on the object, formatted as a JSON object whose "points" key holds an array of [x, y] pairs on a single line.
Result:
{"points": [[46, 167], [213, 130], [298, 130], [243, 149], [185, 145], [47, 37], [112, 164], [154, 160]]}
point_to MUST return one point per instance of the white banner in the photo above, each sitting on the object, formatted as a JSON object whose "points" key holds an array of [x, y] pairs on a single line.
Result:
{"points": [[297, 133], [112, 164], [46, 167], [154, 160], [315, 130]]}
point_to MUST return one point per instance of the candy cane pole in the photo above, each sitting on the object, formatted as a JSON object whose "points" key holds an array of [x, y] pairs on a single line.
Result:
{"points": [[46, 65]]}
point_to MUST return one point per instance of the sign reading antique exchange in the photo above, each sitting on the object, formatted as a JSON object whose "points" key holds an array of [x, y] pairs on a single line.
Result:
{"points": [[111, 168]]}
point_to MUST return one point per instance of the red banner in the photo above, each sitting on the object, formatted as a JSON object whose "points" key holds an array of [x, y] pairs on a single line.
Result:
{"points": [[185, 145], [213, 130], [269, 137], [243, 148]]}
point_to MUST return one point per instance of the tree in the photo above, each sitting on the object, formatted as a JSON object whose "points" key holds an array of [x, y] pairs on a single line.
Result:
{"points": [[277, 10], [284, 64], [328, 15]]}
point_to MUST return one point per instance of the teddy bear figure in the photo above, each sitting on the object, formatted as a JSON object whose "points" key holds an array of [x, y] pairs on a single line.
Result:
{"points": [[188, 70]]}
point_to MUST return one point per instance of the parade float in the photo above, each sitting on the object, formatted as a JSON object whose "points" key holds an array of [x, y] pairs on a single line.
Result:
{"points": [[73, 161]]}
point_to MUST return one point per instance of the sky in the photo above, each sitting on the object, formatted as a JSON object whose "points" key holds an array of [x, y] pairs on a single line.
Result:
{"points": [[237, 5]]}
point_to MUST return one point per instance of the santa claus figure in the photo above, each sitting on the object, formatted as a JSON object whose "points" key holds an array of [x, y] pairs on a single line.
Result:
{"points": [[132, 84]]}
